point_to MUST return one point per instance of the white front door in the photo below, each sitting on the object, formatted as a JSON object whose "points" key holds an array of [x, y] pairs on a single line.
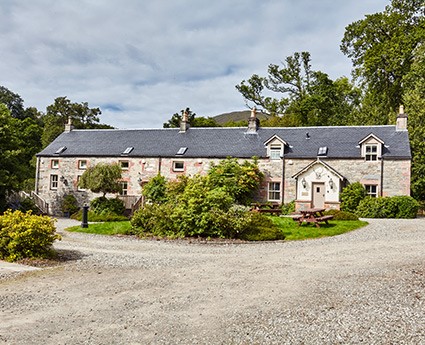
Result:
{"points": [[318, 195]]}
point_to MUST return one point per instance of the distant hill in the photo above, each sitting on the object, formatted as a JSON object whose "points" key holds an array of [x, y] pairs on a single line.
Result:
{"points": [[235, 116]]}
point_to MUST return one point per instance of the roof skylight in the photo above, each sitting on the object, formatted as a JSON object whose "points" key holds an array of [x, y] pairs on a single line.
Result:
{"points": [[60, 150], [323, 150], [182, 151], [128, 150]]}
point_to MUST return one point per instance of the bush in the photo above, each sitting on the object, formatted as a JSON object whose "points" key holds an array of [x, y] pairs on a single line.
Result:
{"points": [[103, 205], [237, 222], [288, 208], [23, 235], [407, 207], [342, 215], [261, 228], [351, 197], [69, 204], [153, 219], [388, 207]]}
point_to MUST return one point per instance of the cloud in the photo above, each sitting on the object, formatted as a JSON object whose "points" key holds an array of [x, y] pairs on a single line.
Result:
{"points": [[142, 61]]}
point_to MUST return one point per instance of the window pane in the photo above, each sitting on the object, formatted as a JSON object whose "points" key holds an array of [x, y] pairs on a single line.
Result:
{"points": [[55, 164], [178, 166], [54, 181], [274, 191], [372, 190], [124, 188], [82, 164], [275, 154]]}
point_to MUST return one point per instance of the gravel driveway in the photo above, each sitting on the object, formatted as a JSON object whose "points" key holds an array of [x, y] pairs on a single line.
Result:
{"points": [[367, 286]]}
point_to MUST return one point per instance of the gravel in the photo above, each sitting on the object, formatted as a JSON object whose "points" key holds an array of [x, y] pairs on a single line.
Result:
{"points": [[366, 286]]}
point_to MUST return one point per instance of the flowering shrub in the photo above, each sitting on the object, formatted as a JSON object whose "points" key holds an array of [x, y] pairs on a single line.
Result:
{"points": [[24, 235]]}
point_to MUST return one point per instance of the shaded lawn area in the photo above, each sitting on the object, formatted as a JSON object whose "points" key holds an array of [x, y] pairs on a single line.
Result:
{"points": [[293, 231], [290, 228], [107, 228]]}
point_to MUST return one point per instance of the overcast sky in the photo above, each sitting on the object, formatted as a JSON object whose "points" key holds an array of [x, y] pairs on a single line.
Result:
{"points": [[141, 61]]}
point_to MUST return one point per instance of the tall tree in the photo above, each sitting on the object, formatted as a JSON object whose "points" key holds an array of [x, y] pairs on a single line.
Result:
{"points": [[414, 99], [19, 141], [13, 102], [58, 113], [307, 97], [381, 47]]}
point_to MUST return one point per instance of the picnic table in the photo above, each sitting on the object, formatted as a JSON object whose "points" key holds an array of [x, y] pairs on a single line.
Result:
{"points": [[312, 215]]}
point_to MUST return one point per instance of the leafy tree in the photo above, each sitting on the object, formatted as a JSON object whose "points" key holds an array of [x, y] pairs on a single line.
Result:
{"points": [[13, 102], [102, 178], [240, 181], [194, 121], [414, 99], [155, 190], [382, 49], [308, 97], [19, 141], [58, 113]]}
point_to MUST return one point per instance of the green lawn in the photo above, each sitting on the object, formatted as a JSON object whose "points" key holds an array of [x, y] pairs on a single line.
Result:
{"points": [[107, 228], [290, 228], [293, 231]]}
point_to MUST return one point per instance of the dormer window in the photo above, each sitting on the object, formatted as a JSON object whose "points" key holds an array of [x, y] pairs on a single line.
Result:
{"points": [[275, 151], [275, 147], [371, 152], [371, 148]]}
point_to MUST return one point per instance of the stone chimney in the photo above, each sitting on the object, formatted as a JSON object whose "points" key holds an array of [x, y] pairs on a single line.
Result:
{"points": [[69, 127], [184, 123], [253, 122], [401, 123]]}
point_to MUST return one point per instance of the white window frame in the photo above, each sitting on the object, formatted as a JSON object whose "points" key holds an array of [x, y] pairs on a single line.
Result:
{"points": [[54, 164], [54, 181], [176, 168], [78, 184], [274, 191], [124, 188], [82, 164], [275, 151], [371, 152], [125, 165], [369, 190]]}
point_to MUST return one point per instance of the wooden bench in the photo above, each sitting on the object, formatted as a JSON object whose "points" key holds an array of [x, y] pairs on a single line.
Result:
{"points": [[324, 218], [297, 217]]}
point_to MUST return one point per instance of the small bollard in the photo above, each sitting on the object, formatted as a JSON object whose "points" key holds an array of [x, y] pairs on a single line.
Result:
{"points": [[85, 223]]}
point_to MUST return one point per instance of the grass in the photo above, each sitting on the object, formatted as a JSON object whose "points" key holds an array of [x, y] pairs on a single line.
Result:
{"points": [[107, 228], [290, 228], [293, 231]]}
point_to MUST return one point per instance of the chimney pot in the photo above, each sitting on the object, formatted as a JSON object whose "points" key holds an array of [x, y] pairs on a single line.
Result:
{"points": [[253, 122], [401, 122], [69, 127]]}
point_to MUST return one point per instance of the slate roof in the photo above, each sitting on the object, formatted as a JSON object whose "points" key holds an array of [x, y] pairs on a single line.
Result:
{"points": [[342, 142]]}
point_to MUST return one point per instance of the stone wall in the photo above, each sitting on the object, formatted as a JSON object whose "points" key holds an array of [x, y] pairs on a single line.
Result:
{"points": [[396, 175]]}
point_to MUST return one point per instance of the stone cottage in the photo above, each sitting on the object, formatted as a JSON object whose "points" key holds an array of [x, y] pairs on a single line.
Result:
{"points": [[310, 165]]}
